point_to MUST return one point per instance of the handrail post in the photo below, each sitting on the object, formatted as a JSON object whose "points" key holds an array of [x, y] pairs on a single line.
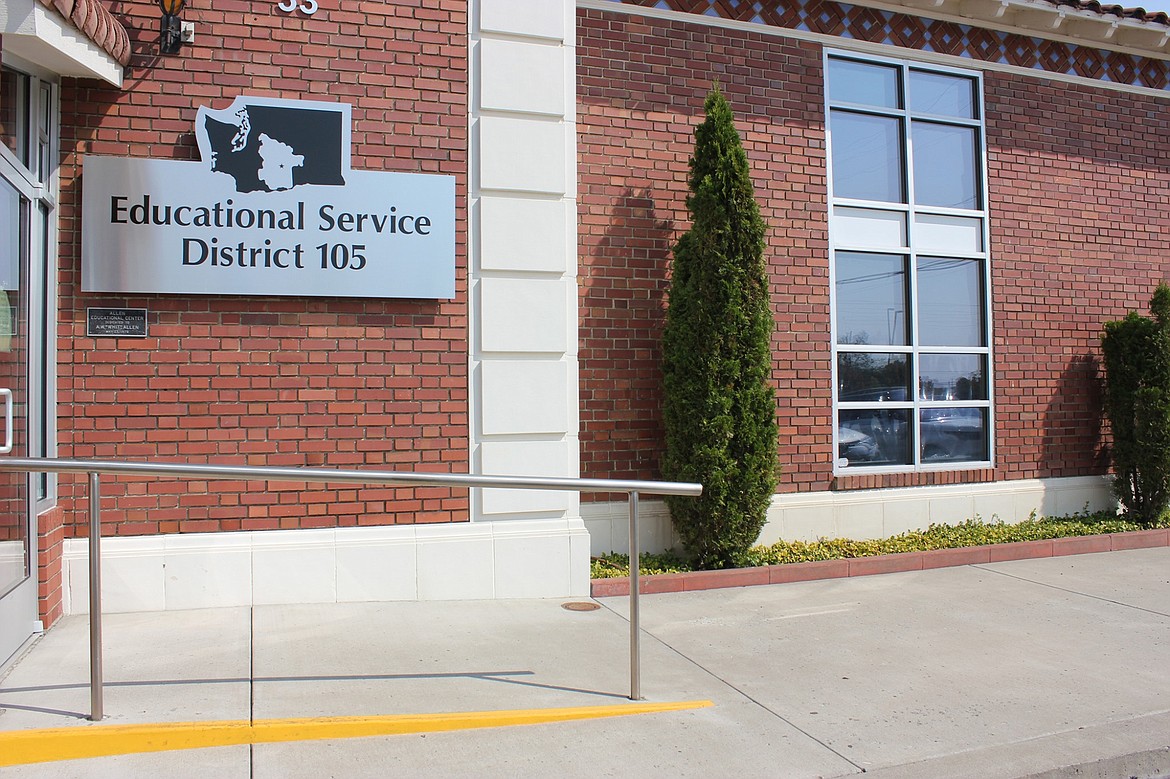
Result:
{"points": [[95, 596], [635, 617]]}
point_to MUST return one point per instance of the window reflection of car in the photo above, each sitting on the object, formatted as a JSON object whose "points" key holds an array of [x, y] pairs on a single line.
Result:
{"points": [[879, 394], [855, 446], [953, 434]]}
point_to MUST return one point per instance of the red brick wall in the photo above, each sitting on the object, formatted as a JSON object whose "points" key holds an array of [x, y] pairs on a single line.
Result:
{"points": [[349, 383], [641, 85], [1080, 235], [50, 549], [1080, 209]]}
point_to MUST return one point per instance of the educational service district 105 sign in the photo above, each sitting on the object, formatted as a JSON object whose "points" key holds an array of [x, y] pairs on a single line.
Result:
{"points": [[273, 208]]}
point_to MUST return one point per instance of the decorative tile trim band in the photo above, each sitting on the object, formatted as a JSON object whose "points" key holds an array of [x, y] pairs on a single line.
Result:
{"points": [[914, 32]]}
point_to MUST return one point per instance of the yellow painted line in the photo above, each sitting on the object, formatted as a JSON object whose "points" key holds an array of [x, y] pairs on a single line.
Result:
{"points": [[21, 747]]}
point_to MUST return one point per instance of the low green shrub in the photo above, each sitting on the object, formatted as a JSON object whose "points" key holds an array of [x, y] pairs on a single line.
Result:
{"points": [[973, 532]]}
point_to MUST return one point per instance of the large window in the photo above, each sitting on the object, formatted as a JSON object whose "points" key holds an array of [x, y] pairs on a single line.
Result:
{"points": [[908, 234]]}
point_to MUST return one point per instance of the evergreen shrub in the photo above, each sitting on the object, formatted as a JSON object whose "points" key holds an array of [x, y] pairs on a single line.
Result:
{"points": [[719, 413], [1137, 403]]}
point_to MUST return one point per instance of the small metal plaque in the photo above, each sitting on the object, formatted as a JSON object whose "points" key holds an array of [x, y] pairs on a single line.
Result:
{"points": [[115, 322]]}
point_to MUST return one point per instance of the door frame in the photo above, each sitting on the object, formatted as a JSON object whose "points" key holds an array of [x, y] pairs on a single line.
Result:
{"points": [[37, 184]]}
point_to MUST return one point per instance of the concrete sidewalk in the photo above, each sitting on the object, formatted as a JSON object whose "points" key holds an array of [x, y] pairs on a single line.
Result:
{"points": [[1037, 668]]}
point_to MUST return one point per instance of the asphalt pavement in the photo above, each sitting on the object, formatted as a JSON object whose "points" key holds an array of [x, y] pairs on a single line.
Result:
{"points": [[1055, 667]]}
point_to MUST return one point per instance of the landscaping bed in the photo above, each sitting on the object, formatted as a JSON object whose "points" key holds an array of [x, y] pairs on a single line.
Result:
{"points": [[938, 546]]}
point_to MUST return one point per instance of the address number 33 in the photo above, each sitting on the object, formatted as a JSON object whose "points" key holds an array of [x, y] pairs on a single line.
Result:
{"points": [[307, 7]]}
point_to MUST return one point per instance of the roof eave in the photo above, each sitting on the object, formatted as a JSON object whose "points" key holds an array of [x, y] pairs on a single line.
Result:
{"points": [[42, 37], [1047, 20]]}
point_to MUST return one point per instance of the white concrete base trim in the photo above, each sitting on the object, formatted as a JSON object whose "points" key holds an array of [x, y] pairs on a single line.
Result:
{"points": [[864, 514], [538, 558], [609, 526]]}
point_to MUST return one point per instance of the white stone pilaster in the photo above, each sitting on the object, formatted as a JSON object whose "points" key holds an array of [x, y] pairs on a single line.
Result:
{"points": [[523, 261]]}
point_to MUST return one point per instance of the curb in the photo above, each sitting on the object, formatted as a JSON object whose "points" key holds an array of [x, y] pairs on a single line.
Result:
{"points": [[894, 563]]}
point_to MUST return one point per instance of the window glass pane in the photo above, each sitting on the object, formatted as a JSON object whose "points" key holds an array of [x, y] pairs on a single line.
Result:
{"points": [[942, 95], [863, 83], [14, 116], [11, 238], [867, 157], [944, 165], [952, 377], [874, 437], [950, 302], [871, 299], [43, 136], [953, 434], [868, 376]]}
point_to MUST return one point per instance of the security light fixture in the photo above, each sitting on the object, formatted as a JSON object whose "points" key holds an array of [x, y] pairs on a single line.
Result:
{"points": [[171, 38]]}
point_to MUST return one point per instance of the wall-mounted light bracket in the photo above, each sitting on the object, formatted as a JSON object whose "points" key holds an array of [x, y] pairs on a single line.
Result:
{"points": [[171, 28]]}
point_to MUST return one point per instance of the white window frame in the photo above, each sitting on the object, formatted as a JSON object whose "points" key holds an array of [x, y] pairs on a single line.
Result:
{"points": [[40, 187], [914, 405]]}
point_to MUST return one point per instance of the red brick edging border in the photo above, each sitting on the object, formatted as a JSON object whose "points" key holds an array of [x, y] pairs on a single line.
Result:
{"points": [[894, 563]]}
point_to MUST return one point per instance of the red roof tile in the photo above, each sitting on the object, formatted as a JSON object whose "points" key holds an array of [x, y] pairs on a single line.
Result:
{"points": [[1105, 9], [97, 24]]}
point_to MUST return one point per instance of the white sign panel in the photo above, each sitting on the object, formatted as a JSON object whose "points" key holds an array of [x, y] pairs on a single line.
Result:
{"points": [[273, 208]]}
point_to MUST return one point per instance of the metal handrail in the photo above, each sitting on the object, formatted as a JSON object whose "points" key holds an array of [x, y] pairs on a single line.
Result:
{"points": [[94, 468]]}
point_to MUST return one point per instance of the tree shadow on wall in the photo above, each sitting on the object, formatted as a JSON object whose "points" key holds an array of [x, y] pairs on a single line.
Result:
{"points": [[1073, 441], [624, 279]]}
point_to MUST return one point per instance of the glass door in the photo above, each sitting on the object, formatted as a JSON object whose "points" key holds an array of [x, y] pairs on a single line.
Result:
{"points": [[28, 153], [18, 554]]}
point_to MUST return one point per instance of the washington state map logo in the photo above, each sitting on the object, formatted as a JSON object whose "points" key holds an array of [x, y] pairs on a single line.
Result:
{"points": [[271, 145]]}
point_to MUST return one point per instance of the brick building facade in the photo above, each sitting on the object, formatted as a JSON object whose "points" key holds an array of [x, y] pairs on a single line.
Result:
{"points": [[567, 128]]}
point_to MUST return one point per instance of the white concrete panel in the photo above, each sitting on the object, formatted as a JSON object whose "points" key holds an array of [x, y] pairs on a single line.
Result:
{"points": [[132, 574], [951, 510], [810, 523], [298, 567], [523, 155], [531, 559], [455, 562], [376, 564], [527, 458], [524, 396], [864, 519], [1072, 499], [902, 515], [773, 525], [1042, 502], [524, 235], [523, 315], [208, 570], [608, 523], [996, 507], [522, 76], [543, 18], [578, 558]]}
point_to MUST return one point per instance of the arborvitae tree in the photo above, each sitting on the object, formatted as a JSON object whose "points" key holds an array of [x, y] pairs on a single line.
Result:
{"points": [[1137, 403], [719, 412]]}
